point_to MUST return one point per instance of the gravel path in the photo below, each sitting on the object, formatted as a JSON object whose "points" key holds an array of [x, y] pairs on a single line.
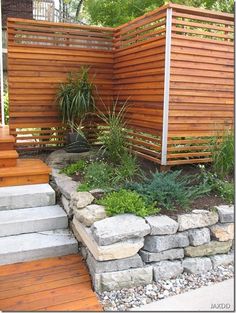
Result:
{"points": [[125, 299]]}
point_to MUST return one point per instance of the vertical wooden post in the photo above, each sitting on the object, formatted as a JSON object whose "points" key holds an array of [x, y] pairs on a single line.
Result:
{"points": [[166, 87]]}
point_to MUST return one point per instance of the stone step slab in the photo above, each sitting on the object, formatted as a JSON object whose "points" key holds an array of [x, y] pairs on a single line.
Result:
{"points": [[226, 213], [197, 265], [222, 232], [27, 247], [162, 225], [171, 254], [118, 228], [197, 219], [199, 236], [211, 248], [118, 250], [122, 279], [113, 265], [162, 243], [20, 221], [20, 197], [167, 270]]}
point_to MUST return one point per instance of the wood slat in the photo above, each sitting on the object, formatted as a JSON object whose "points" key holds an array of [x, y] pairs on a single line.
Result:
{"points": [[45, 285]]}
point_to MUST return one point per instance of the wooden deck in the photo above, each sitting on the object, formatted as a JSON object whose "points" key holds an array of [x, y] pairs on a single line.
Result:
{"points": [[54, 284]]}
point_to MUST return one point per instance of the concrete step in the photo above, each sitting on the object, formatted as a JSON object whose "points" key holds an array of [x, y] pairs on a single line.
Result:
{"points": [[21, 221], [20, 197], [36, 246]]}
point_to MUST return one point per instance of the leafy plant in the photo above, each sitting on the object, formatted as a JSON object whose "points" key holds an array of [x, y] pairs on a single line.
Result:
{"points": [[74, 168], [223, 154], [171, 190], [126, 201], [99, 175], [6, 107], [223, 189], [114, 139], [75, 97], [128, 168]]}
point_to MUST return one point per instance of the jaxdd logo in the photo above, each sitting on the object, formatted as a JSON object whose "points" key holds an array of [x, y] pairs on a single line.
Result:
{"points": [[220, 306]]}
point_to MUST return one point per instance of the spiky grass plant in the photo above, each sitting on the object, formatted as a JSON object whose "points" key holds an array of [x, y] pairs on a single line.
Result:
{"points": [[114, 139], [75, 97], [223, 154]]}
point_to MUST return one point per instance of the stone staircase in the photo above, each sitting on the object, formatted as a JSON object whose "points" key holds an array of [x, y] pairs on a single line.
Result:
{"points": [[32, 226]]}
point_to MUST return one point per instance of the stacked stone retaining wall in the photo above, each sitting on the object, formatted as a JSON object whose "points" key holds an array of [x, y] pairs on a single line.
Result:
{"points": [[125, 250]]}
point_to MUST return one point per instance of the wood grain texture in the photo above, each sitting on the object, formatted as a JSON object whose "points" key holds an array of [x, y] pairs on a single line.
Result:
{"points": [[54, 284], [201, 84], [128, 63]]}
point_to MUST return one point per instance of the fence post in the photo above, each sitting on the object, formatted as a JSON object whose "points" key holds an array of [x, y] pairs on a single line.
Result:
{"points": [[166, 87]]}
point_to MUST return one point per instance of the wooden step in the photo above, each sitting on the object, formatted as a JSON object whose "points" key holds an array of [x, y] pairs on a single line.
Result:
{"points": [[26, 172], [8, 158], [6, 141]]}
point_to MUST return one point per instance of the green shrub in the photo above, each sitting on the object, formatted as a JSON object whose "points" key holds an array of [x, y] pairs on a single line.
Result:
{"points": [[223, 189], [223, 155], [126, 201], [170, 190], [74, 168]]}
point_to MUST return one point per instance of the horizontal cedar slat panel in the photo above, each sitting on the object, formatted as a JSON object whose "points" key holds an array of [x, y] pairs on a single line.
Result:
{"points": [[128, 63]]}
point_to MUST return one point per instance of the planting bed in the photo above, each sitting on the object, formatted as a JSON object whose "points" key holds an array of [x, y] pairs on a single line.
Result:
{"points": [[124, 251]]}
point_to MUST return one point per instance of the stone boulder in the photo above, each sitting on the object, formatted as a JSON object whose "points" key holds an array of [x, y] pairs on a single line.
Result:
{"points": [[226, 213], [197, 265], [80, 200], [212, 248], [171, 254], [60, 158], [161, 243], [197, 219], [198, 237], [118, 228], [222, 232], [66, 206], [122, 279], [222, 259], [162, 225], [113, 265], [166, 270], [119, 250], [90, 214], [64, 184]]}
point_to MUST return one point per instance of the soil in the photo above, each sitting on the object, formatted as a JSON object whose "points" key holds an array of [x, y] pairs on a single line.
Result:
{"points": [[205, 202], [34, 155]]}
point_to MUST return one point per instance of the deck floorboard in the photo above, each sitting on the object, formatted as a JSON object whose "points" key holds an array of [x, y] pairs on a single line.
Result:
{"points": [[53, 284]]}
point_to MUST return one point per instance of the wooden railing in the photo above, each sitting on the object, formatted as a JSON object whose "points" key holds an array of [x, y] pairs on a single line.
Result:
{"points": [[129, 62]]}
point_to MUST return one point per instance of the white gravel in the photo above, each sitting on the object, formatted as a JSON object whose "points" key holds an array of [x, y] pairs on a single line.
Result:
{"points": [[125, 299]]}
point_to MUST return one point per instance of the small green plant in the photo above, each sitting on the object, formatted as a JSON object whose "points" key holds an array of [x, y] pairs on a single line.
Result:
{"points": [[74, 168], [75, 97], [99, 175], [126, 201], [6, 107], [114, 139], [128, 168], [171, 190], [223, 189], [223, 154]]}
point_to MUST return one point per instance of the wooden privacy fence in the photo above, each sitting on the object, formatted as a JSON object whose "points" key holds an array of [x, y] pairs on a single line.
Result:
{"points": [[175, 65]]}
